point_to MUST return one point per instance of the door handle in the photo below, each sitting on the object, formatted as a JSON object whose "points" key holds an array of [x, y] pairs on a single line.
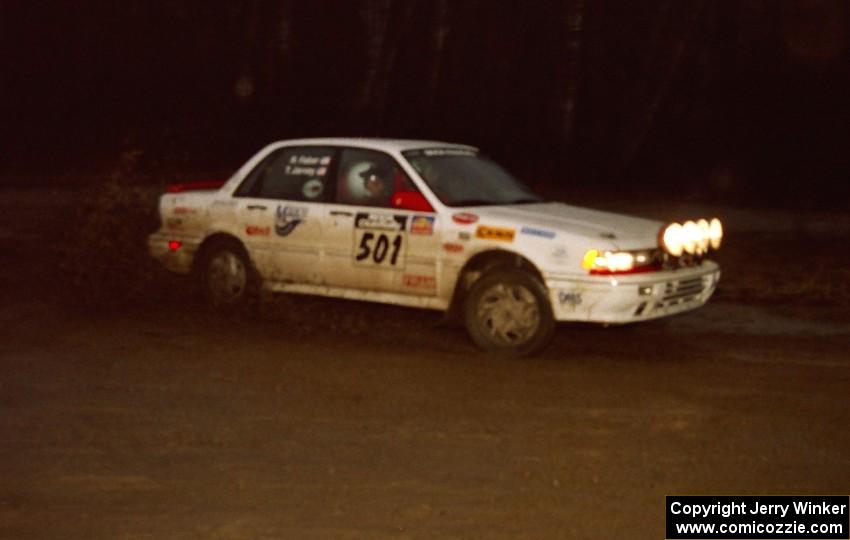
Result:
{"points": [[341, 213], [256, 207]]}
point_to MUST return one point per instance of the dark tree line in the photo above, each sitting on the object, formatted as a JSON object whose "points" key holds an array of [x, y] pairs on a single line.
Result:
{"points": [[568, 90]]}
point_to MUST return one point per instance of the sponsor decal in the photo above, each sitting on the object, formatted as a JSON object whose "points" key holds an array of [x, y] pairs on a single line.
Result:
{"points": [[313, 188], [448, 152], [380, 240], [419, 282], [183, 210], [501, 234], [307, 165], [569, 298], [559, 253], [287, 218], [542, 233], [463, 235], [382, 222], [452, 247], [295, 170], [256, 230], [464, 218], [423, 225], [297, 159]]}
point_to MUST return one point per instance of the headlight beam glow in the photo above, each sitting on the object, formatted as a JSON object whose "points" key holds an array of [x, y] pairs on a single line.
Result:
{"points": [[672, 239], [715, 233], [691, 237]]}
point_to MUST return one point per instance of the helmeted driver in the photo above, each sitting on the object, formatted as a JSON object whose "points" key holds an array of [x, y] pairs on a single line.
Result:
{"points": [[368, 183]]}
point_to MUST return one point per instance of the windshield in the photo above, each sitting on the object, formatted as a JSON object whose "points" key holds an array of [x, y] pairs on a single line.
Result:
{"points": [[460, 177]]}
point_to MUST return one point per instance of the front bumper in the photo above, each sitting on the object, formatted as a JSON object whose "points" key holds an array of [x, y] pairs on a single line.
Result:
{"points": [[631, 297], [178, 260]]}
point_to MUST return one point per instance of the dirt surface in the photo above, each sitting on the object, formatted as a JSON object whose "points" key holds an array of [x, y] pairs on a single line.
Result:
{"points": [[331, 419]]}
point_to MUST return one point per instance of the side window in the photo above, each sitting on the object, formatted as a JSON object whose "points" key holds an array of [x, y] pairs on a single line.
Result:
{"points": [[294, 174], [369, 178]]}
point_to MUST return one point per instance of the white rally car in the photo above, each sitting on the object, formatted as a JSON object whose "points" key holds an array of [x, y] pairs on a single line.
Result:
{"points": [[430, 225]]}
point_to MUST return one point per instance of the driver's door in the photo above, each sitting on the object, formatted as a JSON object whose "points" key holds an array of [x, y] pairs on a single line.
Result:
{"points": [[369, 243]]}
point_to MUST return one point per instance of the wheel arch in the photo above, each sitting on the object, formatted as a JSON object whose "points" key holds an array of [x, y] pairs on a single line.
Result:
{"points": [[481, 263], [213, 240]]}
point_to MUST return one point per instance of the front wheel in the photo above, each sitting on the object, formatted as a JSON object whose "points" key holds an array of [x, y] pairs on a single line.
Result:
{"points": [[227, 278], [507, 313]]}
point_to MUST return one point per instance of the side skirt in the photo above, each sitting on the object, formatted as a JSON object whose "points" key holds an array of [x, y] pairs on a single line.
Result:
{"points": [[424, 302]]}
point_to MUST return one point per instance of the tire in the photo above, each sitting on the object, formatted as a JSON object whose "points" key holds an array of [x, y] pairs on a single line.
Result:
{"points": [[228, 280], [508, 314]]}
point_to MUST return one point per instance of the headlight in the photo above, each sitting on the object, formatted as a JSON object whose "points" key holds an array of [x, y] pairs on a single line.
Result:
{"points": [[673, 239], [620, 262], [692, 237], [715, 233], [606, 262], [704, 236]]}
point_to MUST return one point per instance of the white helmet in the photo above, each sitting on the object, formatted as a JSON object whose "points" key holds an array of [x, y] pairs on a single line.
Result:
{"points": [[356, 178]]}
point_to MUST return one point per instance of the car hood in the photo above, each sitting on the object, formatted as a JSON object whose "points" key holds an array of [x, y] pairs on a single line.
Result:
{"points": [[621, 231]]}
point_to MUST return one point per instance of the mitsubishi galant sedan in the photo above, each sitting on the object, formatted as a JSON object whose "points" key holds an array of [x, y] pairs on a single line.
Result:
{"points": [[431, 225]]}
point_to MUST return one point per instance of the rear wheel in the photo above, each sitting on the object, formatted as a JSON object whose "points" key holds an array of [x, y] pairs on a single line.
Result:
{"points": [[228, 279], [507, 313]]}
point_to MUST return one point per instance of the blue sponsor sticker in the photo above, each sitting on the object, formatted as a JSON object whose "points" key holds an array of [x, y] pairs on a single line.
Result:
{"points": [[287, 218], [543, 233]]}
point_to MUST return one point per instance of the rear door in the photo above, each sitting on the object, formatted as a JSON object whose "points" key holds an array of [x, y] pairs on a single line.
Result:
{"points": [[280, 208]]}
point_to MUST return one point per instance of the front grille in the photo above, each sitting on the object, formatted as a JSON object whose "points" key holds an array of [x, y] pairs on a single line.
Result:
{"points": [[683, 290], [678, 295]]}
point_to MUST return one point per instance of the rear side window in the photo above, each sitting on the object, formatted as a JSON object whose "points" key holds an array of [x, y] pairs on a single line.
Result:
{"points": [[293, 174]]}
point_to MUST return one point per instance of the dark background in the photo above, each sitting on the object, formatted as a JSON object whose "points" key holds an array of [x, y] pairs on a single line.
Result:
{"points": [[732, 101], [128, 411]]}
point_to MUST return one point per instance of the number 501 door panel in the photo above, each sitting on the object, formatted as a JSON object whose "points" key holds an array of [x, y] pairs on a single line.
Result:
{"points": [[376, 249]]}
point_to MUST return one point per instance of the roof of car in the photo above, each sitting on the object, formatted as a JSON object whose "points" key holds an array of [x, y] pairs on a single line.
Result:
{"points": [[393, 145]]}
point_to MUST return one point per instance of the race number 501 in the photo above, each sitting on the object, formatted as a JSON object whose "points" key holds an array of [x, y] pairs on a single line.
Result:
{"points": [[375, 248]]}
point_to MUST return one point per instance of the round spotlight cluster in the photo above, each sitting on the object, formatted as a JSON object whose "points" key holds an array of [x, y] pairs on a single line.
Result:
{"points": [[691, 237]]}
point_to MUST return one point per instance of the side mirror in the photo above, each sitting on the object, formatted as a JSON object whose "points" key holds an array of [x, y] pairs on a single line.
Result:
{"points": [[411, 200]]}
